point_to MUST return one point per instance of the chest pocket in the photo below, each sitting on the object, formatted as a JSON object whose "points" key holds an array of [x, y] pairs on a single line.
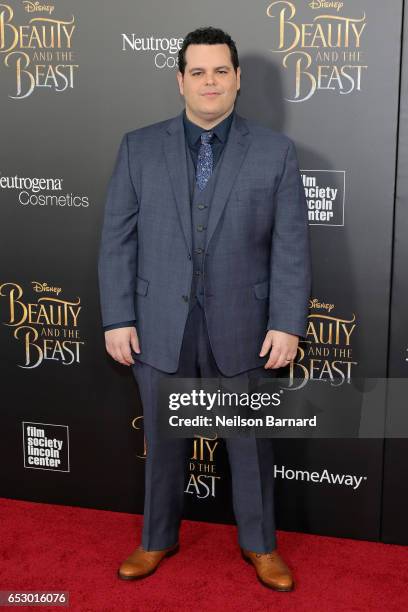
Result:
{"points": [[251, 188]]}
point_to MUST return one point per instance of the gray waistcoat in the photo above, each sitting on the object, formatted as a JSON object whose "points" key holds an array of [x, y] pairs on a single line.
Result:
{"points": [[200, 205]]}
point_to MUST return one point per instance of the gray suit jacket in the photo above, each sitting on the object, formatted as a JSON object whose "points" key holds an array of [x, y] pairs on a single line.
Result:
{"points": [[257, 271]]}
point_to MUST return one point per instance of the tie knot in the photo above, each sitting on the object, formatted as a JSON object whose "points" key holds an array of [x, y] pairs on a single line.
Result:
{"points": [[206, 137]]}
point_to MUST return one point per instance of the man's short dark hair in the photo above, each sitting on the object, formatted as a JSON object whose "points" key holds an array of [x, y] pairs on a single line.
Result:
{"points": [[207, 36]]}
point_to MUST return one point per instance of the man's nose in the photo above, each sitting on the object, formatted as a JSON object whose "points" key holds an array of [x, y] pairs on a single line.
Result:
{"points": [[210, 79]]}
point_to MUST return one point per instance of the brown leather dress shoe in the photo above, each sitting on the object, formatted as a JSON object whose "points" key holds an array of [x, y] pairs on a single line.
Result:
{"points": [[271, 570], [142, 563]]}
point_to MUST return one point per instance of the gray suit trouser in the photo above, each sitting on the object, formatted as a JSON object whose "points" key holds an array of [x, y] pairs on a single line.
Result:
{"points": [[251, 459]]}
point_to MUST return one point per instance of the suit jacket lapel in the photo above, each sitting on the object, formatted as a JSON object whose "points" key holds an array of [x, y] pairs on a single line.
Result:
{"points": [[175, 152], [234, 154]]}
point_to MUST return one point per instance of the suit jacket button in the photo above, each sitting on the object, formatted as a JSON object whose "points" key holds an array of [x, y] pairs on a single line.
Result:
{"points": [[185, 298]]}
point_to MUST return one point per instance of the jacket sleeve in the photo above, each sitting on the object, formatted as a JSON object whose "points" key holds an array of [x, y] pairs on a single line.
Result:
{"points": [[290, 261], [117, 259], [118, 325]]}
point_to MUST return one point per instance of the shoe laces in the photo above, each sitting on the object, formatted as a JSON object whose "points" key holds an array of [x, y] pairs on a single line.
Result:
{"points": [[258, 555]]}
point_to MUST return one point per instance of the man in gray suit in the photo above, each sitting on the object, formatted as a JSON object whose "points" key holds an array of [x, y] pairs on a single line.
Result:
{"points": [[204, 271]]}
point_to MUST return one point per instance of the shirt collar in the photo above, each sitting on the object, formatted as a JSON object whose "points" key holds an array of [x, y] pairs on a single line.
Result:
{"points": [[193, 131]]}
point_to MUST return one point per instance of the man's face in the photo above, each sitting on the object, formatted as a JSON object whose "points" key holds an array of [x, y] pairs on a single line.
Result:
{"points": [[210, 83]]}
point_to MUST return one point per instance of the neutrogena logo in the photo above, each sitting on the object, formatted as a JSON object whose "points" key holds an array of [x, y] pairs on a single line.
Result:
{"points": [[325, 476], [165, 50], [36, 191]]}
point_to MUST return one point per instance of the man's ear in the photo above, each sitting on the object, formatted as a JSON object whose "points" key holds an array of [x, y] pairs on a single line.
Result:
{"points": [[238, 78], [180, 81]]}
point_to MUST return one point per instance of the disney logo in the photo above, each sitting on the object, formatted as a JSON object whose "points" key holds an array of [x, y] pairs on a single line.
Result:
{"points": [[43, 287], [36, 7], [314, 303]]}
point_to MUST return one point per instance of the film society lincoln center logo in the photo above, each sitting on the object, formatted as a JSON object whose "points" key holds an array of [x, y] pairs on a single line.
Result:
{"points": [[46, 446], [44, 325], [325, 196], [36, 48]]}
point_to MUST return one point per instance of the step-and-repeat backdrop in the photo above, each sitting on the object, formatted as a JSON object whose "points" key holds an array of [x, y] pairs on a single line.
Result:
{"points": [[74, 77]]}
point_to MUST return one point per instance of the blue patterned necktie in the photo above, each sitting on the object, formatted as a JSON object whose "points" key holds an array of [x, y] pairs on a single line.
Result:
{"points": [[204, 160]]}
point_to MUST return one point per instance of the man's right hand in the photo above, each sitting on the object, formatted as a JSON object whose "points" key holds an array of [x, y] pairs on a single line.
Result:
{"points": [[118, 343]]}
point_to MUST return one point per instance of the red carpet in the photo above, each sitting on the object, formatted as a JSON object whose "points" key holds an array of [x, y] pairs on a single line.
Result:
{"points": [[50, 547]]}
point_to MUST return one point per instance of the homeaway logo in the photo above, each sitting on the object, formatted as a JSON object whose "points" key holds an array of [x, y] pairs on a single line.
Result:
{"points": [[348, 480]]}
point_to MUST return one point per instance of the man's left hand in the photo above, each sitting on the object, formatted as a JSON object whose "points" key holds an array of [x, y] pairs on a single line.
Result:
{"points": [[284, 348]]}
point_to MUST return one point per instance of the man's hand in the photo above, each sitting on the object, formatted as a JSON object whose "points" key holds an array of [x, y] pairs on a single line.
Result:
{"points": [[118, 343], [284, 348]]}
